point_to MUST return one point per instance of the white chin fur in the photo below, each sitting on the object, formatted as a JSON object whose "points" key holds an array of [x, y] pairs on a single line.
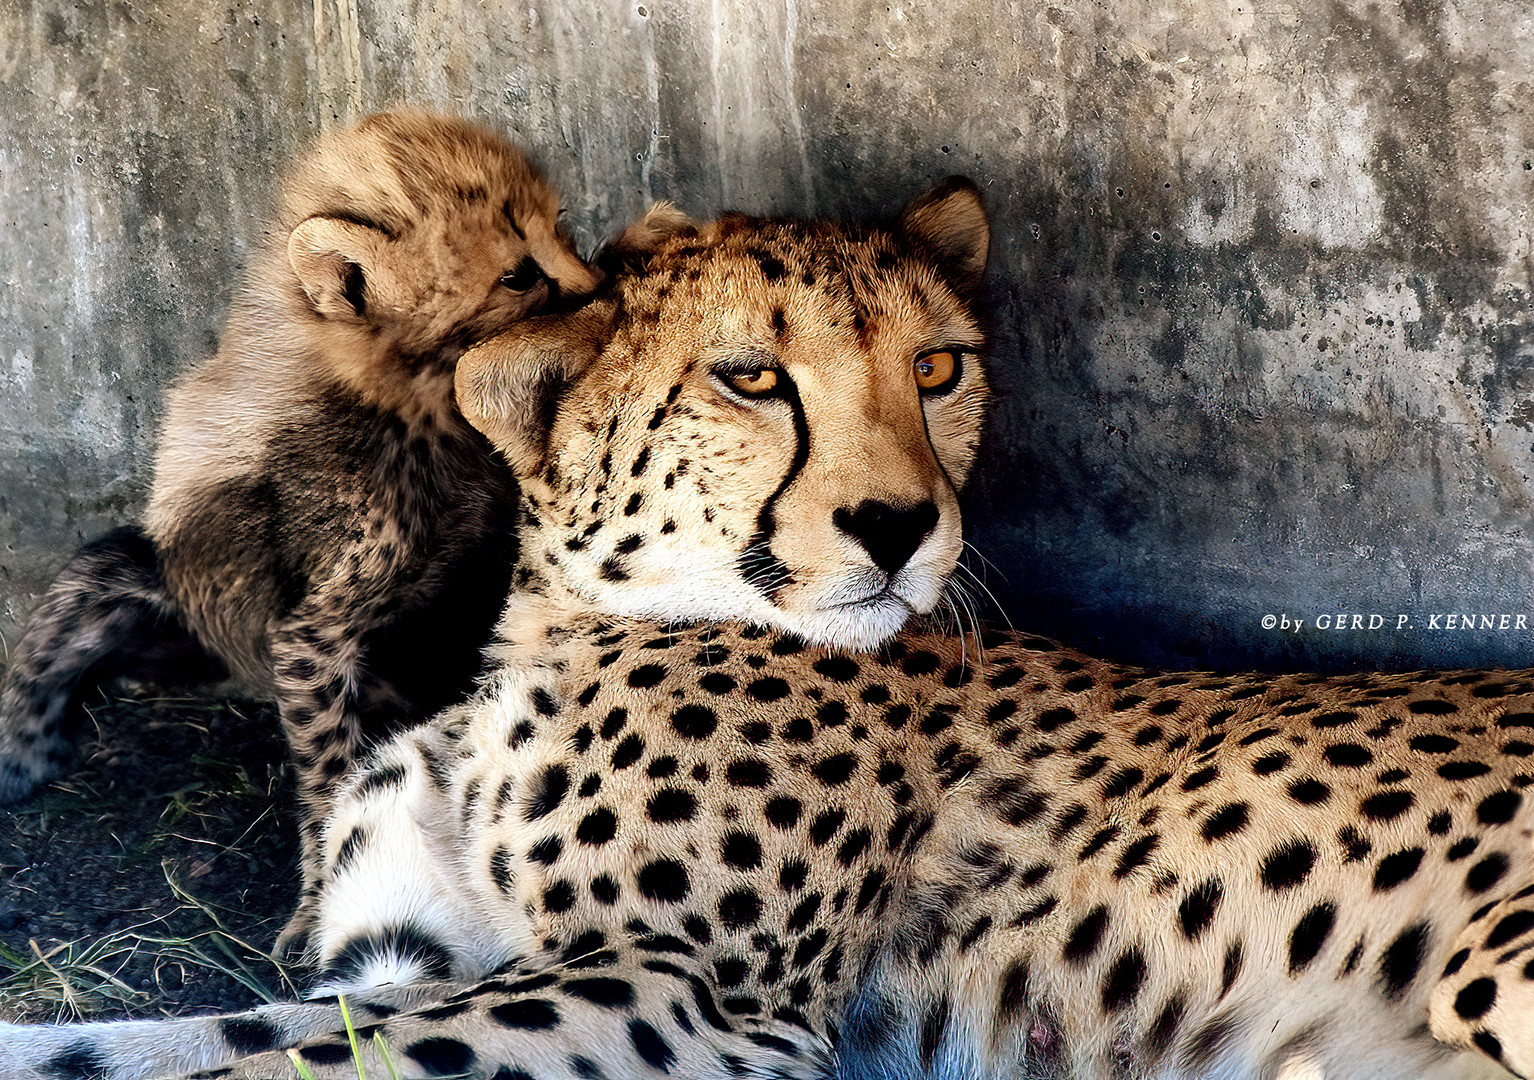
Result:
{"points": [[835, 619]]}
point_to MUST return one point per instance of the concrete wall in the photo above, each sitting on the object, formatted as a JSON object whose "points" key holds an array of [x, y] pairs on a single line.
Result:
{"points": [[1261, 282]]}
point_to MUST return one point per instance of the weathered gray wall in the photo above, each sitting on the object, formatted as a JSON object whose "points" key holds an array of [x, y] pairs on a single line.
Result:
{"points": [[1262, 278]]}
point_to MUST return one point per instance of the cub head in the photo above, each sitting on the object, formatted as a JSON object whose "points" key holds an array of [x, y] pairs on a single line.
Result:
{"points": [[758, 420], [419, 235]]}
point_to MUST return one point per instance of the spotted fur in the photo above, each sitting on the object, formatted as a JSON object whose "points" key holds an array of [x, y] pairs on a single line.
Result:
{"points": [[781, 845], [323, 524]]}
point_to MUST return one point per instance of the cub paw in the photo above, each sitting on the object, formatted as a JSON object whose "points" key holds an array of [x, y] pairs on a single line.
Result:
{"points": [[23, 769]]}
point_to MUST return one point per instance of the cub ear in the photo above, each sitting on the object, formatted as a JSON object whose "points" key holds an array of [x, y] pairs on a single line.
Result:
{"points": [[947, 222], [635, 244], [333, 259], [509, 386]]}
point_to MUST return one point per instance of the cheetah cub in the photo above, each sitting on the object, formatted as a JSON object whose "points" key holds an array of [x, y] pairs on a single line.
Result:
{"points": [[323, 523], [719, 812]]}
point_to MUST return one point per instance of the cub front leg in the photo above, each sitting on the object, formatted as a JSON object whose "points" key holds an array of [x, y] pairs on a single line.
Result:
{"points": [[107, 609], [331, 707]]}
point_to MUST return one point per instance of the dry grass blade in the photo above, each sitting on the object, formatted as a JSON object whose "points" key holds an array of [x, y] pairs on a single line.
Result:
{"points": [[73, 980], [219, 949]]}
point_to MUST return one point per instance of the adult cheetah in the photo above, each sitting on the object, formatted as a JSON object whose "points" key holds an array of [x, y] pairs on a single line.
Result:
{"points": [[718, 814]]}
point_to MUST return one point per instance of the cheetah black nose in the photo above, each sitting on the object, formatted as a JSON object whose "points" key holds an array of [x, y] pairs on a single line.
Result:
{"points": [[890, 535]]}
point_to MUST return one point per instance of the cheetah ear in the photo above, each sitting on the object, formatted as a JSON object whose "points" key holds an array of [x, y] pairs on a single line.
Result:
{"points": [[333, 259], [509, 386], [635, 244], [947, 223]]}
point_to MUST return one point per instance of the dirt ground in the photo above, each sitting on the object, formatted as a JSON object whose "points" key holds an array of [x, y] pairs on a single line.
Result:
{"points": [[154, 876]]}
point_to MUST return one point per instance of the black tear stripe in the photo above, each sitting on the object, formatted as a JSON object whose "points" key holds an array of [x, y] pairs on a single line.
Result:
{"points": [[757, 564]]}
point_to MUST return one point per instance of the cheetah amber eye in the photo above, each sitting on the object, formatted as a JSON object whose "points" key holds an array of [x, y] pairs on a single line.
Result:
{"points": [[937, 372], [758, 382], [527, 274]]}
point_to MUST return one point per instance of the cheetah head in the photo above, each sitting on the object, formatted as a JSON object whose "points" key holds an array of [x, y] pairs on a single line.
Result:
{"points": [[757, 420]]}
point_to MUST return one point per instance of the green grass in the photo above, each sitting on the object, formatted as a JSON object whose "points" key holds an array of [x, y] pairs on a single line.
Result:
{"points": [[305, 1073]]}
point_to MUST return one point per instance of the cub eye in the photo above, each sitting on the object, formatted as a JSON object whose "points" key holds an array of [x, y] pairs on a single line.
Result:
{"points": [[937, 372], [527, 274], [753, 383]]}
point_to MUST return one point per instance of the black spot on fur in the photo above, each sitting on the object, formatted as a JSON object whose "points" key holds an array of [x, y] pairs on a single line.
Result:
{"points": [[1086, 935], [836, 770], [1397, 867], [1163, 1031], [549, 790], [1198, 908], [1347, 755], [1234, 957], [840, 669], [741, 851], [1498, 808], [1122, 984], [1509, 928], [1227, 821], [934, 1023], [607, 992], [1401, 960], [694, 721], [249, 1034], [1288, 865], [1386, 805], [546, 852], [646, 676], [597, 827], [1488, 1044], [664, 880], [672, 804], [1014, 990], [1486, 873], [526, 1014], [1463, 770], [327, 1053], [748, 772], [79, 1062], [1308, 792], [442, 1056], [1136, 854], [1476, 998], [1434, 744], [767, 689], [1309, 935], [1208, 1041]]}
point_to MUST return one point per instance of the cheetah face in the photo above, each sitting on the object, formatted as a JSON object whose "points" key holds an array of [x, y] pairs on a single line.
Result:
{"points": [[765, 421]]}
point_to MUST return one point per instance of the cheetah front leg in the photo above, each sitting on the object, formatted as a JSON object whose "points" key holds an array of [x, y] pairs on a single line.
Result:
{"points": [[1485, 999], [109, 603]]}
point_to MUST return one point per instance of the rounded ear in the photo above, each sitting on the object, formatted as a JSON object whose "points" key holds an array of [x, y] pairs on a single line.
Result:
{"points": [[509, 386], [947, 223], [333, 259], [662, 222]]}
